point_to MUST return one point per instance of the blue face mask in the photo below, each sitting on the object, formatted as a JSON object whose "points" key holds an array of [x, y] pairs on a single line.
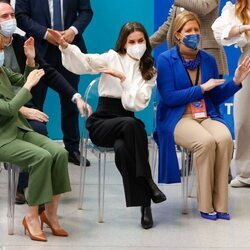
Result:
{"points": [[8, 27], [1, 58], [192, 41]]}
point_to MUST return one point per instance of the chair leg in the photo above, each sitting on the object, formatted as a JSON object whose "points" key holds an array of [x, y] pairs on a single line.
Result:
{"points": [[184, 172], [13, 173], [154, 157], [82, 171], [101, 186]]}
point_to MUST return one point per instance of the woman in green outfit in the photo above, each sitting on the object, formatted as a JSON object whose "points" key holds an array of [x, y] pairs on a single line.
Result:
{"points": [[46, 161]]}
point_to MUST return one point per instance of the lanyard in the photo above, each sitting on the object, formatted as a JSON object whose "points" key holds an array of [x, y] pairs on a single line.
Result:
{"points": [[196, 78]]}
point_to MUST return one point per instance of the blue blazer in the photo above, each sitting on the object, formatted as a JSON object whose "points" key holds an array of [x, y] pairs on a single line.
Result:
{"points": [[175, 92], [33, 17]]}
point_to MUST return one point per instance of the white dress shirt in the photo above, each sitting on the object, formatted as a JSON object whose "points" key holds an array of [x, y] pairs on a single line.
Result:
{"points": [[134, 91]]}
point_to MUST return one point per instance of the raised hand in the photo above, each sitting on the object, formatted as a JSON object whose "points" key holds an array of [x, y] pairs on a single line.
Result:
{"points": [[58, 38], [29, 51], [112, 72], [211, 83], [242, 71], [33, 78]]}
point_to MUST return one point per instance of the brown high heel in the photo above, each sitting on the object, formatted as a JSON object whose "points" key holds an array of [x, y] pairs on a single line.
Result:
{"points": [[39, 237], [57, 232]]}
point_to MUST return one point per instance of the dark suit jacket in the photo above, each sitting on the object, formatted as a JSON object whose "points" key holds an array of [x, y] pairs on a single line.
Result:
{"points": [[52, 77], [34, 18]]}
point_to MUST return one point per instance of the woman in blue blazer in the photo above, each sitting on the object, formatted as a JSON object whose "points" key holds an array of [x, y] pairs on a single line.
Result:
{"points": [[190, 93]]}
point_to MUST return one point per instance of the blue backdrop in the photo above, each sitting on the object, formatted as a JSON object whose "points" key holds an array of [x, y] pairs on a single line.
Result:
{"points": [[101, 35]]}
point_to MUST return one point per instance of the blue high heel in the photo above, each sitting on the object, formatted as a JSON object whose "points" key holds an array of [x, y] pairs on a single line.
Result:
{"points": [[209, 216], [223, 216]]}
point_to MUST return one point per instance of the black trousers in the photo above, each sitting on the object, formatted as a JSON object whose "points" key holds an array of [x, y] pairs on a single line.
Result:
{"points": [[113, 126], [69, 111]]}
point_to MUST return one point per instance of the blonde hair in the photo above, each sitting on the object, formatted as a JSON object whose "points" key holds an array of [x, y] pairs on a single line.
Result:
{"points": [[180, 20], [241, 12], [1, 42]]}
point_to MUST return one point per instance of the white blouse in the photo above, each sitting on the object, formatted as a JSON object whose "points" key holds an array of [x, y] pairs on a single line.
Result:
{"points": [[223, 24], [134, 91]]}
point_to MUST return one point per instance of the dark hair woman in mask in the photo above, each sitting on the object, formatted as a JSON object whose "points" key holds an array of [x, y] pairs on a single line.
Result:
{"points": [[128, 76]]}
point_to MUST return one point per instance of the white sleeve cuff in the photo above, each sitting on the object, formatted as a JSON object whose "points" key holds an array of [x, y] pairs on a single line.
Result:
{"points": [[75, 96]]}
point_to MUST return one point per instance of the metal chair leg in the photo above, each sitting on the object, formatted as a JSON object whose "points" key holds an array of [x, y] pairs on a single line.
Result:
{"points": [[83, 148], [13, 173]]}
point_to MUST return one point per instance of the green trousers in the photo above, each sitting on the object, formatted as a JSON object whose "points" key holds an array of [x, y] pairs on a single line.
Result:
{"points": [[46, 162]]}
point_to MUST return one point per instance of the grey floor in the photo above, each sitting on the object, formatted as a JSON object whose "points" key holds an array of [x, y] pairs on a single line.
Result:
{"points": [[121, 229]]}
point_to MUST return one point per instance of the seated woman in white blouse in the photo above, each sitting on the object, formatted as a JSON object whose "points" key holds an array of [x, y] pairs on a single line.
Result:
{"points": [[128, 76], [233, 27]]}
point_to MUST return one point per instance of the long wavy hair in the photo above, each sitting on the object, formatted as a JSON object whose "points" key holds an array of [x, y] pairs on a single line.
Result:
{"points": [[147, 61], [241, 12]]}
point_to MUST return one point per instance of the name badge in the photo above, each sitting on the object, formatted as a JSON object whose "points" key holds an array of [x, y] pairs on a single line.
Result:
{"points": [[198, 109]]}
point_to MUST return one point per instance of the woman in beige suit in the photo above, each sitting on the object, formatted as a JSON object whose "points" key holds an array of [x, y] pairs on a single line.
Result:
{"points": [[207, 10]]}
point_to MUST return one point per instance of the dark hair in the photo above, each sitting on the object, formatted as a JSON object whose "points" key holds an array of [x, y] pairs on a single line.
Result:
{"points": [[5, 1], [147, 61]]}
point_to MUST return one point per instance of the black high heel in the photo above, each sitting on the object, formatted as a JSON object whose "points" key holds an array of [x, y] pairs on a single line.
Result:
{"points": [[157, 195], [146, 217]]}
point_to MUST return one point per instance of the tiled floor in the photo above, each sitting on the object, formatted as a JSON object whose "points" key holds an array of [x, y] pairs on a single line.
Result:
{"points": [[121, 229]]}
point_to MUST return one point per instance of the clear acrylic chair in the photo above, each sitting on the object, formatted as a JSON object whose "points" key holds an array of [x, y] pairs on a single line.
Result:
{"points": [[13, 174], [91, 97], [188, 177], [153, 147]]}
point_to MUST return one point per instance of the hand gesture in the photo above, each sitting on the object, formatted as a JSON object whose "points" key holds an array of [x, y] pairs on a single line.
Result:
{"points": [[33, 78], [58, 38], [29, 51], [69, 35], [211, 83], [242, 70], [112, 72], [83, 107], [34, 114]]}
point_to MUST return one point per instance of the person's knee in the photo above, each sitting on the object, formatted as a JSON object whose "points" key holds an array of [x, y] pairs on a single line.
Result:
{"points": [[131, 125], [62, 153], [206, 144]]}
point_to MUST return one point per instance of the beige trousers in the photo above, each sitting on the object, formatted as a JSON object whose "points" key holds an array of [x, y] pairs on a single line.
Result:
{"points": [[212, 146]]}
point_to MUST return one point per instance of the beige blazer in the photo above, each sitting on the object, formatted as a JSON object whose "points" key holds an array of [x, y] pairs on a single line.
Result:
{"points": [[207, 10]]}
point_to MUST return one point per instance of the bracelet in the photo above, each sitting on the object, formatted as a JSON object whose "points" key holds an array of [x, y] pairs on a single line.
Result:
{"points": [[239, 29]]}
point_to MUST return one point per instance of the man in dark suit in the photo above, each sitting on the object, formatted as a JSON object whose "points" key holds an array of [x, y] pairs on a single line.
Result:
{"points": [[15, 59], [70, 17]]}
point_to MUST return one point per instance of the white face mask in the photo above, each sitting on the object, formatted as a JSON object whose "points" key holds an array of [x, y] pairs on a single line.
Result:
{"points": [[8, 27], [137, 50], [1, 58]]}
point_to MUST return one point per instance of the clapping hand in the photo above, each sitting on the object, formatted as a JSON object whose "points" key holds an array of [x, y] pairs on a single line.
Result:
{"points": [[33, 78], [242, 70], [29, 51]]}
